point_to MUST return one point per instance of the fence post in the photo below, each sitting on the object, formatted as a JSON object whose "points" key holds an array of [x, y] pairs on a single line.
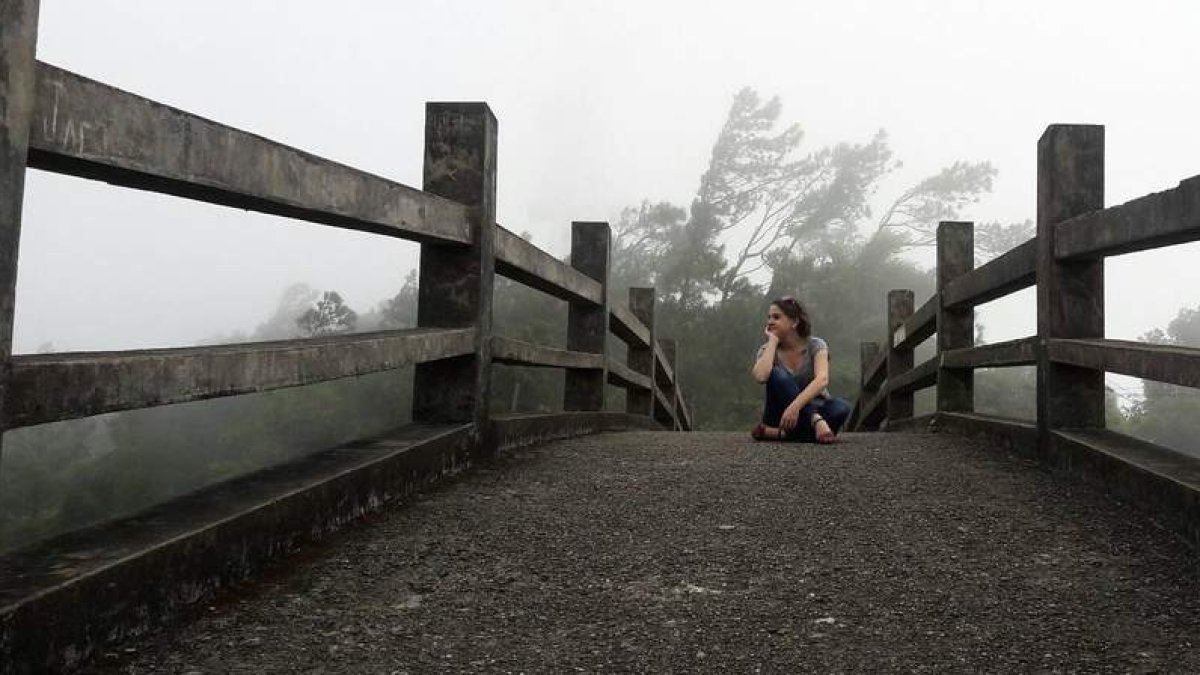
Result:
{"points": [[18, 40], [955, 327], [1070, 295], [670, 350], [641, 359], [456, 282], [899, 361], [866, 356], [587, 325]]}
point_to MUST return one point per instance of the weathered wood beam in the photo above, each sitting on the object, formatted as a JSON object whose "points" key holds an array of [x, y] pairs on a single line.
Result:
{"points": [[1161, 363], [621, 375], [918, 327], [640, 356], [855, 411], [1070, 294], [955, 327], [997, 278], [683, 412], [626, 326], [899, 361], [663, 365], [873, 411], [89, 129], [18, 44], [456, 284], [1020, 352], [670, 354], [53, 387], [876, 370], [869, 356], [520, 353], [587, 322], [521, 261], [924, 375], [664, 411], [1159, 219]]}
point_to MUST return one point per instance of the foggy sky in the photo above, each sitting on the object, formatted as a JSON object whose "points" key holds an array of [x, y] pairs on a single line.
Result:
{"points": [[601, 105]]}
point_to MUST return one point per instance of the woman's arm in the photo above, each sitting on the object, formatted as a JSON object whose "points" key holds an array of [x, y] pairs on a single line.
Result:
{"points": [[766, 359], [820, 380]]}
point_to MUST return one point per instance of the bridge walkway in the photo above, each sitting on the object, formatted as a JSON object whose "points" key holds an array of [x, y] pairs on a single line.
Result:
{"points": [[660, 552]]}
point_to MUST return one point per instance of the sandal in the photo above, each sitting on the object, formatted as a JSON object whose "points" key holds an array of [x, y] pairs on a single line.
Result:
{"points": [[759, 433], [827, 438]]}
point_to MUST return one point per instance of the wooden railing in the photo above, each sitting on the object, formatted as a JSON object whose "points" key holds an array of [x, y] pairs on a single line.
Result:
{"points": [[1065, 261], [81, 127]]}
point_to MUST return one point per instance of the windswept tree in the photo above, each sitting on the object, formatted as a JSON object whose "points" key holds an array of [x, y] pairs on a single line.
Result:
{"points": [[328, 316], [761, 201]]}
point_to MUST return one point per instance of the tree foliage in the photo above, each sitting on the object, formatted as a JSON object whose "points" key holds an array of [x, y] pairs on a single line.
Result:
{"points": [[328, 316], [762, 202], [1167, 414]]}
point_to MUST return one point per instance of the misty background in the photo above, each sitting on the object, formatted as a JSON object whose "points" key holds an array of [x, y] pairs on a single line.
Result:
{"points": [[608, 111]]}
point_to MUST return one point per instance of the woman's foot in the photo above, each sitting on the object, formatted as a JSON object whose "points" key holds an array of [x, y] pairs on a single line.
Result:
{"points": [[825, 435], [762, 432]]}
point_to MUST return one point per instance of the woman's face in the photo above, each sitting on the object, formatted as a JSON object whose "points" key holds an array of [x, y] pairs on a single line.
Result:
{"points": [[779, 323]]}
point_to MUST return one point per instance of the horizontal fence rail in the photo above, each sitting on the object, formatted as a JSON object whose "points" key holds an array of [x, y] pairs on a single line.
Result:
{"points": [[1002, 276], [621, 375], [84, 128], [664, 365], [1161, 219], [520, 353], [53, 387], [921, 377], [1020, 352], [626, 326], [521, 261], [1161, 363], [875, 371], [919, 327]]}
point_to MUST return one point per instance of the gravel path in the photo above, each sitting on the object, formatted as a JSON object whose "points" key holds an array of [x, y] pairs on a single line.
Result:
{"points": [[652, 552]]}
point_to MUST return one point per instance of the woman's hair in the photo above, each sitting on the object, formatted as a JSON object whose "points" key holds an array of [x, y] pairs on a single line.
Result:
{"points": [[792, 308]]}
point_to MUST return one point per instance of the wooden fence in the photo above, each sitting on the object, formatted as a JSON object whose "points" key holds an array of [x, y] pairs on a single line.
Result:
{"points": [[1065, 261], [77, 126]]}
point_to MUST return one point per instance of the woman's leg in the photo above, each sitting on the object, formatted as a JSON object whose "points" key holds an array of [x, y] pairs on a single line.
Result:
{"points": [[781, 391], [835, 411]]}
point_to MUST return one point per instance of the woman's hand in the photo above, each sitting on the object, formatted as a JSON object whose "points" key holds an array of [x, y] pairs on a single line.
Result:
{"points": [[791, 415], [771, 336]]}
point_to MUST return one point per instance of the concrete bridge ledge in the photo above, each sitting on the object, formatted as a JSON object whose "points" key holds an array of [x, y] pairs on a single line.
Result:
{"points": [[64, 600], [1164, 485]]}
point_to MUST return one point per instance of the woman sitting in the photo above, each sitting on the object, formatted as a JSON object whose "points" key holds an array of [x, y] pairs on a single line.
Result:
{"points": [[794, 364]]}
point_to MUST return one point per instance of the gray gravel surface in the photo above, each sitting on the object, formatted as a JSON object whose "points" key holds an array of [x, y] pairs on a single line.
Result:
{"points": [[706, 552]]}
